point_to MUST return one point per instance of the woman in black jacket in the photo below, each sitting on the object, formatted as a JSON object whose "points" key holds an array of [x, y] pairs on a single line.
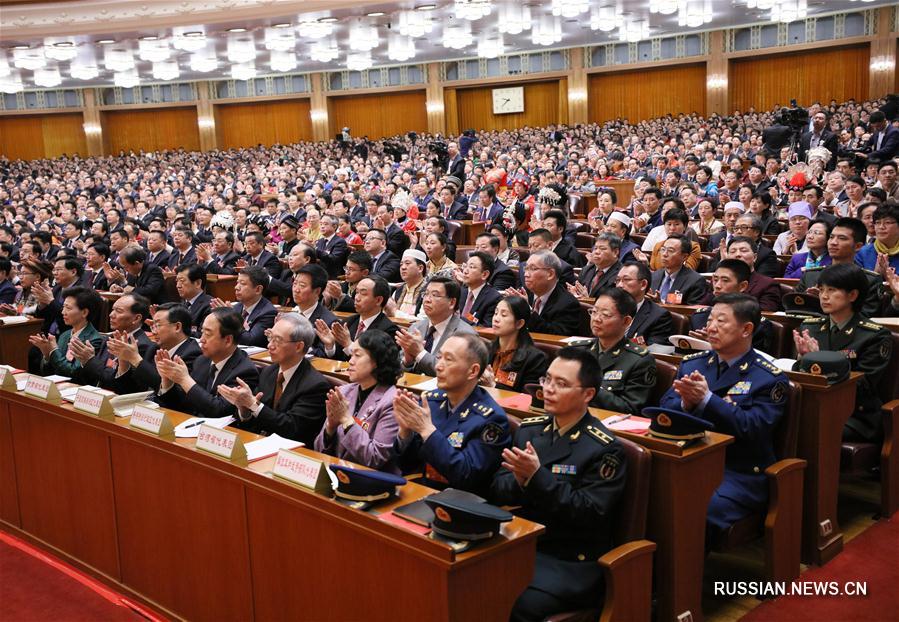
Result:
{"points": [[514, 360]]}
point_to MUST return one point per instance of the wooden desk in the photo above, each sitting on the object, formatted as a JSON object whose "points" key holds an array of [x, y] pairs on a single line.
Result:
{"points": [[469, 231], [14, 343], [200, 538], [221, 286], [825, 410], [682, 483]]}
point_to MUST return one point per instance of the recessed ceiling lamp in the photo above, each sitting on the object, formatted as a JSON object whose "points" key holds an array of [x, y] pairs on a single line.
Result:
{"points": [[60, 49], [188, 38], [327, 20], [426, 7], [149, 38], [284, 25], [236, 30], [376, 14], [105, 41]]}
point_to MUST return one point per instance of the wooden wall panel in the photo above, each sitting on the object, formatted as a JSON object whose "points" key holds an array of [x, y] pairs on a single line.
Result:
{"points": [[150, 130], [379, 115], [646, 93], [266, 123], [30, 137], [817, 75], [474, 107]]}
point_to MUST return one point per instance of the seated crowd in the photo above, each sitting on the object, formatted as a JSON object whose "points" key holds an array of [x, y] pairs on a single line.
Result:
{"points": [[347, 253]]}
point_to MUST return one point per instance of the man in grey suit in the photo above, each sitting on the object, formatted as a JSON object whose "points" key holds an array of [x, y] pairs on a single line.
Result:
{"points": [[425, 337]]}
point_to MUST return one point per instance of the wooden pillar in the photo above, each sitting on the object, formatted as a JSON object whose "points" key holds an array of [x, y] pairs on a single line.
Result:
{"points": [[577, 87], [318, 110], [93, 123], [434, 101], [882, 68], [206, 118], [716, 75]]}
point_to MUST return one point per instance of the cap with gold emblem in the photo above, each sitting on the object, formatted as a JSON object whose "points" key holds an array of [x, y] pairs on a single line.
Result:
{"points": [[676, 425], [833, 365], [363, 485], [802, 304], [462, 519]]}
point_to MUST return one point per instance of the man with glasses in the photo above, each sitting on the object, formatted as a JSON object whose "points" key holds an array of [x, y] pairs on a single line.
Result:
{"points": [[628, 371], [457, 432], [883, 253], [651, 323], [339, 296], [424, 338], [190, 281], [384, 262], [291, 402], [750, 225], [554, 309], [372, 294], [567, 471], [674, 282]]}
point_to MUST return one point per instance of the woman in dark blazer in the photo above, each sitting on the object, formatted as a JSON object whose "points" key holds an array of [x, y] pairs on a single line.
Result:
{"points": [[360, 426], [514, 359]]}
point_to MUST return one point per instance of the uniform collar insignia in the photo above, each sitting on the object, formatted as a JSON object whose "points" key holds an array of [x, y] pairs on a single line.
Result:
{"points": [[744, 366]]}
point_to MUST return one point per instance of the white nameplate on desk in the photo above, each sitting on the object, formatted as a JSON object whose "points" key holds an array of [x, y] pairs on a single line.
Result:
{"points": [[221, 443], [151, 420], [7, 380], [298, 469], [94, 403], [42, 388]]}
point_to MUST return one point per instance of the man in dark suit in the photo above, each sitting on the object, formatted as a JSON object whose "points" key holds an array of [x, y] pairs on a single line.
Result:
{"points": [[652, 323], [763, 288], [487, 208], [257, 313], [819, 136], [478, 299], [66, 273], [384, 263], [450, 208], [675, 283], [221, 363], [555, 222], [256, 255], [190, 281], [291, 402], [331, 249], [185, 253], [142, 278], [540, 240], [396, 239], [340, 296], [502, 277], [456, 166], [308, 285], [223, 259], [766, 261], [555, 311], [567, 471], [884, 142], [94, 277], [601, 269], [372, 294], [157, 253]]}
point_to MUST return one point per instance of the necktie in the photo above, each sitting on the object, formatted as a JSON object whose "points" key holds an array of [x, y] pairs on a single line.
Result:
{"points": [[596, 279], [252, 261], [468, 305], [722, 368], [151, 258], [279, 389], [666, 287], [538, 306], [212, 377], [429, 339], [245, 316], [360, 329]]}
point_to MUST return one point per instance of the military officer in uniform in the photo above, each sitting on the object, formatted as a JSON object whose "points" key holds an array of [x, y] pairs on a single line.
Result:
{"points": [[846, 239], [566, 471], [458, 431], [842, 289], [627, 370], [743, 395]]}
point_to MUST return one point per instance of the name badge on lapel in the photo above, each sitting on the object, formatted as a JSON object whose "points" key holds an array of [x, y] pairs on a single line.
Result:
{"points": [[455, 439], [564, 469], [615, 374]]}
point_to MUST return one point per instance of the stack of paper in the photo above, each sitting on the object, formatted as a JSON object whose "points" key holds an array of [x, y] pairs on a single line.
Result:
{"points": [[190, 428], [269, 446]]}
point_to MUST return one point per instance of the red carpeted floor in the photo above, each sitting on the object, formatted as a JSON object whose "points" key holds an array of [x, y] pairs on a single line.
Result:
{"points": [[872, 557], [36, 587]]}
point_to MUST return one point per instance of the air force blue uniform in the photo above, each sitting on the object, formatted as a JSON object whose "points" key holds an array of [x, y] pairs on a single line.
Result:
{"points": [[466, 449], [747, 401]]}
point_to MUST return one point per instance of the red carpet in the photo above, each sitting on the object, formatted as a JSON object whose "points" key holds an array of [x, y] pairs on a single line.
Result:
{"points": [[35, 587], [872, 557]]}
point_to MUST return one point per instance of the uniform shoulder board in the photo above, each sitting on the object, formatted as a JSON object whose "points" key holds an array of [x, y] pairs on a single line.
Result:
{"points": [[603, 437], [871, 325], [766, 365], [636, 348], [535, 420], [814, 320], [484, 410], [697, 355], [435, 395]]}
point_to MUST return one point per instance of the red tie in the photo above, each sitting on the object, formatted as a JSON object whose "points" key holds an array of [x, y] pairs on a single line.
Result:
{"points": [[538, 306], [596, 279], [360, 329], [468, 305]]}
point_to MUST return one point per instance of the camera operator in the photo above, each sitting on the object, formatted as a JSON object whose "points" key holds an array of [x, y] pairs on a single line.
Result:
{"points": [[466, 142]]}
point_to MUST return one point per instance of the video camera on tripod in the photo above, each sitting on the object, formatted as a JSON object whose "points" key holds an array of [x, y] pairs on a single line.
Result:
{"points": [[789, 125]]}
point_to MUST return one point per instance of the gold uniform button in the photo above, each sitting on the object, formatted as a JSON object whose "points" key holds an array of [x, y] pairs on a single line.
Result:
{"points": [[755, 469], [581, 557]]}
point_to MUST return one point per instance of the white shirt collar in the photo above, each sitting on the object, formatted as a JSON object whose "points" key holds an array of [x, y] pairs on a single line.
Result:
{"points": [[475, 292], [194, 299], [308, 312], [289, 372], [175, 349], [249, 310]]}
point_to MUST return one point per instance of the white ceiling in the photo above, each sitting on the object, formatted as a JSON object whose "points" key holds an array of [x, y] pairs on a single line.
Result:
{"points": [[81, 26]]}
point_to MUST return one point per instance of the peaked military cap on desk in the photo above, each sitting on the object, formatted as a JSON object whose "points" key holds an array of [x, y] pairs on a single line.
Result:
{"points": [[686, 342], [676, 425], [802, 304], [834, 366], [464, 519], [361, 485], [536, 393]]}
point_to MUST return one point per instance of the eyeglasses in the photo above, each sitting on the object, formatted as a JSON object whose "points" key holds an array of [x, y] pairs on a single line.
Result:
{"points": [[279, 341], [743, 227], [604, 316], [549, 381], [534, 268], [625, 279], [432, 295]]}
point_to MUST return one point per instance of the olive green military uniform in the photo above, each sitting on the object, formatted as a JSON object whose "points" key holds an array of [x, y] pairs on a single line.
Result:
{"points": [[628, 377], [868, 347]]}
